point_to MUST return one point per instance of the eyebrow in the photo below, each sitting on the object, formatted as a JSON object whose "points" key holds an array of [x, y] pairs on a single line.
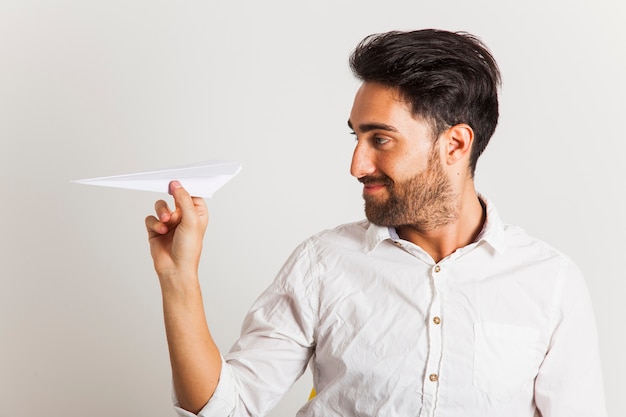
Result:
{"points": [[367, 127]]}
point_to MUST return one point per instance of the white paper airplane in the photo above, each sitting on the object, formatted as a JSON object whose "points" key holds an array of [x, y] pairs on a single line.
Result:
{"points": [[200, 180]]}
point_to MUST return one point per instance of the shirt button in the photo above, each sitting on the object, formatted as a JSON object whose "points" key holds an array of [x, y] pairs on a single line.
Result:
{"points": [[433, 377], [437, 268], [436, 320]]}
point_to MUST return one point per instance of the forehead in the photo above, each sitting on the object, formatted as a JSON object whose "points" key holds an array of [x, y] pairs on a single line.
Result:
{"points": [[375, 103]]}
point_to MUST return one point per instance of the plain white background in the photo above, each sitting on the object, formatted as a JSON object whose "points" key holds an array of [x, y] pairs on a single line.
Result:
{"points": [[95, 88]]}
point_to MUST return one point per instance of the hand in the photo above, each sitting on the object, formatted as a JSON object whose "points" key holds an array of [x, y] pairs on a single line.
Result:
{"points": [[176, 236]]}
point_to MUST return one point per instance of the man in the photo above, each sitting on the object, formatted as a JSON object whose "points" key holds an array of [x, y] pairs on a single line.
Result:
{"points": [[431, 307]]}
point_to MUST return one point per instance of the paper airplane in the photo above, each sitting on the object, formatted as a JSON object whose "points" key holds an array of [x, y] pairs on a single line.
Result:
{"points": [[200, 180]]}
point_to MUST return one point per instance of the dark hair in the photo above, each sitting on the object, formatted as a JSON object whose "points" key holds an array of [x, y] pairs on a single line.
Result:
{"points": [[447, 77]]}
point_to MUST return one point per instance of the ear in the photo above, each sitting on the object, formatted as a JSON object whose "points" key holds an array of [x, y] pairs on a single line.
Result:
{"points": [[458, 141]]}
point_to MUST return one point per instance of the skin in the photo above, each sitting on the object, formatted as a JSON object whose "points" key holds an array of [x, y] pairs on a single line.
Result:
{"points": [[397, 151], [396, 155], [175, 245]]}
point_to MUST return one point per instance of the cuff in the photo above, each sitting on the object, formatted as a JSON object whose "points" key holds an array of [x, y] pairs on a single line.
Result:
{"points": [[222, 403]]}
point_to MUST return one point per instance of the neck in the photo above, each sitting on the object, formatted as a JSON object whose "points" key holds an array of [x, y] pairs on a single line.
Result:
{"points": [[443, 240]]}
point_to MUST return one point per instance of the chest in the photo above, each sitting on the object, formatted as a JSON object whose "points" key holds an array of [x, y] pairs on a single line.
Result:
{"points": [[383, 317]]}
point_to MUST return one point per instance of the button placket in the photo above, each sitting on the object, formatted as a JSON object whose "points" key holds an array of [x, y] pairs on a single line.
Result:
{"points": [[431, 378], [437, 276]]}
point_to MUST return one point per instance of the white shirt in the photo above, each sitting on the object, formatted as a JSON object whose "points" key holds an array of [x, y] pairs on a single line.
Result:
{"points": [[503, 327]]}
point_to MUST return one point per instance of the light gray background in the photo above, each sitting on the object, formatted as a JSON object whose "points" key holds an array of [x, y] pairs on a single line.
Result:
{"points": [[94, 88]]}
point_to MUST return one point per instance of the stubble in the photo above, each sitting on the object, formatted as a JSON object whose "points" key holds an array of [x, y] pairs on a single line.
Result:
{"points": [[425, 201]]}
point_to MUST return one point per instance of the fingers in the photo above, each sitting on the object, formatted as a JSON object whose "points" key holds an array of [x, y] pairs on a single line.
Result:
{"points": [[162, 211], [191, 209], [160, 224], [155, 227]]}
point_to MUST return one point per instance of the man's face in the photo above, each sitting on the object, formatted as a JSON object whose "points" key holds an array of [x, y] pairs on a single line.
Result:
{"points": [[398, 161]]}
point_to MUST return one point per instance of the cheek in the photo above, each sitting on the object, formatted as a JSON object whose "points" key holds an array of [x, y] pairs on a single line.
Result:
{"points": [[404, 167]]}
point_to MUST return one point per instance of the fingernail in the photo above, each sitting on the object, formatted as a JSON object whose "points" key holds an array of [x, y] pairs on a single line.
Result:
{"points": [[174, 185]]}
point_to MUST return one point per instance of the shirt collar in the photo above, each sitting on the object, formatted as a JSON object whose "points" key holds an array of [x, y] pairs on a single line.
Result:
{"points": [[376, 234], [492, 233], [493, 229]]}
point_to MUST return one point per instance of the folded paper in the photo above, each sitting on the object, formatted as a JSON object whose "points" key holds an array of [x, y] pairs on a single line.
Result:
{"points": [[200, 179]]}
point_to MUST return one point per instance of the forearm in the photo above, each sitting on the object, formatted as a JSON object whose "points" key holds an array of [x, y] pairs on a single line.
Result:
{"points": [[195, 359]]}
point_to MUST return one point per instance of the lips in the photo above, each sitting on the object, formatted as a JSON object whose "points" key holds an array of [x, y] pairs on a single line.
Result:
{"points": [[371, 188], [372, 185]]}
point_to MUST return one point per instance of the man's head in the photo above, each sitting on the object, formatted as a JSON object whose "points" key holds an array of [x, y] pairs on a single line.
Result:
{"points": [[447, 78], [400, 162]]}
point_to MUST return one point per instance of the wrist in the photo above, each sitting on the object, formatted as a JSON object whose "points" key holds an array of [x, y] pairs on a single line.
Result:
{"points": [[179, 283]]}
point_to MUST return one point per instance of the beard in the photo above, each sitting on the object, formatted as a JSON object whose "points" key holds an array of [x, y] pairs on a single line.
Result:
{"points": [[425, 201]]}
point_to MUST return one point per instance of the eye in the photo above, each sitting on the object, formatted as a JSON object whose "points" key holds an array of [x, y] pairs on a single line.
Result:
{"points": [[380, 140]]}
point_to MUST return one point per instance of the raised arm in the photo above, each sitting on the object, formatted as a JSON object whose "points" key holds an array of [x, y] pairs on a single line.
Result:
{"points": [[175, 245]]}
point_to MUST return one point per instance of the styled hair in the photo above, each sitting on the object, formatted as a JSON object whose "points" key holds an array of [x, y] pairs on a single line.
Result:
{"points": [[447, 77]]}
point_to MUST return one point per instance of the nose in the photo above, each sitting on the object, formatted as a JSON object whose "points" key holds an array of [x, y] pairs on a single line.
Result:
{"points": [[362, 160]]}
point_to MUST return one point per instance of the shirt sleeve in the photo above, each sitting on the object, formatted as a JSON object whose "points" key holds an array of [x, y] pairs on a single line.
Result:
{"points": [[275, 346], [569, 383], [222, 403]]}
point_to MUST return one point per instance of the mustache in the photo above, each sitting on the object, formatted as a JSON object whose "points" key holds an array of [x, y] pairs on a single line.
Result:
{"points": [[370, 179]]}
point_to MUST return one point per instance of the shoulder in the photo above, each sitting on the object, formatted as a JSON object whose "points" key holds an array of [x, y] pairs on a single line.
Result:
{"points": [[349, 232], [348, 236], [355, 237], [310, 259], [518, 239], [330, 244], [537, 253], [514, 241]]}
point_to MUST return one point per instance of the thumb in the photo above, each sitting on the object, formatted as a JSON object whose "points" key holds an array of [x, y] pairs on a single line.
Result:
{"points": [[181, 197], [192, 210]]}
